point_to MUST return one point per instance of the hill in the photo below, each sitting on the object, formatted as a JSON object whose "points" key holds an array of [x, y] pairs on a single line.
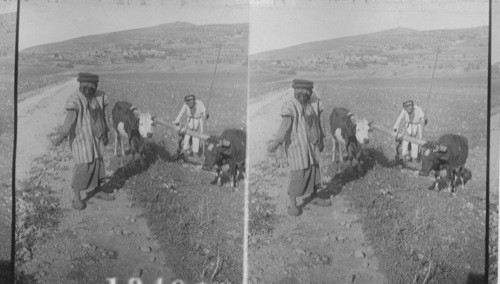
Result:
{"points": [[174, 41], [461, 49]]}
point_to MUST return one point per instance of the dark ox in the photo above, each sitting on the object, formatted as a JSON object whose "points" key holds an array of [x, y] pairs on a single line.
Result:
{"points": [[228, 148], [129, 123], [448, 153], [350, 131]]}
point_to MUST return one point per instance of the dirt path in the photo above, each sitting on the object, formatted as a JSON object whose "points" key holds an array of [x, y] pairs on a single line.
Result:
{"points": [[107, 239], [323, 245]]}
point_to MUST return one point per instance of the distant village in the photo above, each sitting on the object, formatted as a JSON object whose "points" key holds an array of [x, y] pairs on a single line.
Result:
{"points": [[233, 50], [466, 62], [454, 51]]}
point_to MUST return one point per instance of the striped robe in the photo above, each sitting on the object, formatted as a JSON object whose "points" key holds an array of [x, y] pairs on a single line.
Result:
{"points": [[300, 152], [85, 148]]}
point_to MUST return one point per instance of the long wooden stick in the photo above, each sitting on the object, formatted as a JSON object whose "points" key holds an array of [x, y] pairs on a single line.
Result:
{"points": [[393, 134], [213, 77], [178, 128], [432, 80]]}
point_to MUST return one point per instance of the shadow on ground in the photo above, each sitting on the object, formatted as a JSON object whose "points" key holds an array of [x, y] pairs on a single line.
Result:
{"points": [[473, 278], [153, 152], [370, 158]]}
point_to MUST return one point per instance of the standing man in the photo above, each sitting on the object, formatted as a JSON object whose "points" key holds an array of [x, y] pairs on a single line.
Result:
{"points": [[303, 136], [85, 124], [196, 114], [415, 121]]}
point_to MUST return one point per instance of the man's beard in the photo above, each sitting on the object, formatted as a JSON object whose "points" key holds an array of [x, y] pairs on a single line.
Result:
{"points": [[303, 98], [88, 94]]}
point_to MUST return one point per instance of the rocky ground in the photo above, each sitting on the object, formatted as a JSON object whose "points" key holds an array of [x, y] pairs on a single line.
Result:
{"points": [[56, 244], [384, 226], [323, 245]]}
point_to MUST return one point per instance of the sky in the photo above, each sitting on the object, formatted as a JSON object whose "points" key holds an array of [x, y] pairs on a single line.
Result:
{"points": [[47, 21], [275, 26]]}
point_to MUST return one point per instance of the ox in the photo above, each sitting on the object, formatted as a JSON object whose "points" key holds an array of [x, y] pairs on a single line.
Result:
{"points": [[129, 123], [349, 131], [227, 148], [448, 153]]}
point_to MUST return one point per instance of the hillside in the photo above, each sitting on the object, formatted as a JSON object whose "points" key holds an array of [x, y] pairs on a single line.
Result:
{"points": [[459, 49], [177, 41]]}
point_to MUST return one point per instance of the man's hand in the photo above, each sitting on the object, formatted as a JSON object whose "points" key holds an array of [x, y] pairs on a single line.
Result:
{"points": [[59, 140], [273, 146], [182, 131]]}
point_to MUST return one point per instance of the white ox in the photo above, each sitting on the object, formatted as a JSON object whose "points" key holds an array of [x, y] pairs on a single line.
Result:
{"points": [[350, 131], [131, 124]]}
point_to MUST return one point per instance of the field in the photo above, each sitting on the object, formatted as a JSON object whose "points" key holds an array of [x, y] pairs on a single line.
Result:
{"points": [[33, 78], [409, 227], [448, 231], [416, 234], [194, 221], [199, 226], [266, 82]]}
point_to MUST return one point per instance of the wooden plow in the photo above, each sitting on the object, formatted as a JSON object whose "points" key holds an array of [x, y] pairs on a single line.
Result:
{"points": [[404, 137], [374, 126], [183, 130], [400, 136]]}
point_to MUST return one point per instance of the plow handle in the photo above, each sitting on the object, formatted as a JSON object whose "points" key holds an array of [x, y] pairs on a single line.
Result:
{"points": [[394, 134], [178, 129]]}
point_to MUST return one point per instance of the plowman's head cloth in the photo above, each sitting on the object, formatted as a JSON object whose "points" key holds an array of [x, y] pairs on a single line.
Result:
{"points": [[87, 77], [189, 98], [302, 84], [408, 103]]}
